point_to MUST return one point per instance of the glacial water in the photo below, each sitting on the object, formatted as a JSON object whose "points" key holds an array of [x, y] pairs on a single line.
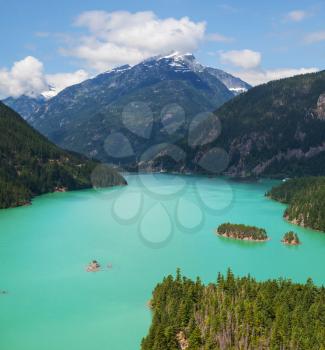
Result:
{"points": [[145, 230]]}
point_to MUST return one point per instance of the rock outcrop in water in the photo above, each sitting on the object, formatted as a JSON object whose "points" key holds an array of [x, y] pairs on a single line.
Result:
{"points": [[290, 238], [94, 266]]}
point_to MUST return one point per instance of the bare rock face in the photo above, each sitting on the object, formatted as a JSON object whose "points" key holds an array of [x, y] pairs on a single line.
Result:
{"points": [[320, 109], [182, 341]]}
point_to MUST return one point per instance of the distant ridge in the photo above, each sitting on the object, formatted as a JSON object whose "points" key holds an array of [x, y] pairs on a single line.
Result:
{"points": [[81, 117]]}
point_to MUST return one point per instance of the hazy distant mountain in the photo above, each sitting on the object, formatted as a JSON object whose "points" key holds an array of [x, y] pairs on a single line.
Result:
{"points": [[82, 116], [25, 106]]}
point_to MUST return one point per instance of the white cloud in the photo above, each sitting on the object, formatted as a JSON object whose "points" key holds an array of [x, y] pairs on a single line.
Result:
{"points": [[260, 76], [251, 71], [27, 77], [315, 37], [121, 37], [60, 81], [296, 15], [217, 37], [246, 59]]}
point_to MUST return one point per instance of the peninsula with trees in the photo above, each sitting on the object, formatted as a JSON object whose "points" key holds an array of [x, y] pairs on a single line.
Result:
{"points": [[305, 198]]}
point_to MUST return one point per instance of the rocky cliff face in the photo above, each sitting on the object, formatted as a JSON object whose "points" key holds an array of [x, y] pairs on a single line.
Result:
{"points": [[320, 109]]}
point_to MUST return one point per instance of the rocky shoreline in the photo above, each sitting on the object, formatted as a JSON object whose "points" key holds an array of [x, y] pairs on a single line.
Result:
{"points": [[291, 238], [249, 239], [291, 244]]}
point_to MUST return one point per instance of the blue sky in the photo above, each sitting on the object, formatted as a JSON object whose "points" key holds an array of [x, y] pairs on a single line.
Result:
{"points": [[257, 40]]}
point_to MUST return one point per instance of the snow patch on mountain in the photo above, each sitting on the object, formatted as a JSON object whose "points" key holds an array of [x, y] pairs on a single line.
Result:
{"points": [[187, 62]]}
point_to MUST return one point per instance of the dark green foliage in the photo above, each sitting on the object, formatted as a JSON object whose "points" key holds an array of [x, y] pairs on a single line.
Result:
{"points": [[306, 200], [275, 129], [240, 231], [291, 238], [31, 165], [237, 313]]}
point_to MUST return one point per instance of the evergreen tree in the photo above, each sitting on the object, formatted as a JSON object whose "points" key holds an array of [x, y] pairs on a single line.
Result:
{"points": [[235, 314]]}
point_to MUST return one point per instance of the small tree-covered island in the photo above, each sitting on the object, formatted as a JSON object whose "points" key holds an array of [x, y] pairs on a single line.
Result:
{"points": [[242, 232], [236, 313], [291, 238]]}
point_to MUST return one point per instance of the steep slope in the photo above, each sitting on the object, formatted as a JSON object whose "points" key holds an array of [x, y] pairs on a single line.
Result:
{"points": [[82, 116], [25, 106], [31, 165], [234, 84], [276, 129]]}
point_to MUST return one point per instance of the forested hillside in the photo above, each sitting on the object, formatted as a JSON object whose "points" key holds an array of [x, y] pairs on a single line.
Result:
{"points": [[276, 129], [236, 313], [306, 201], [31, 165]]}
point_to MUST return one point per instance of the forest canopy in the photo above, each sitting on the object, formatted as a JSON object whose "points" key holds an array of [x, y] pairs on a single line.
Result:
{"points": [[31, 165], [236, 313], [240, 231]]}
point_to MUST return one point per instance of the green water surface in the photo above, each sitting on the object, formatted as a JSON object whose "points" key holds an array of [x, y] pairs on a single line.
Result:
{"points": [[145, 230]]}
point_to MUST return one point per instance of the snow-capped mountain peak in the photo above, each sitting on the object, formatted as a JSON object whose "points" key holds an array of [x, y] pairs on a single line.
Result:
{"points": [[118, 69], [173, 67], [177, 56], [51, 92], [186, 62]]}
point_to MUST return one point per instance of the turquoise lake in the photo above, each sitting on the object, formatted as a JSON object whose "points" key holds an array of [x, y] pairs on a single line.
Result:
{"points": [[145, 230]]}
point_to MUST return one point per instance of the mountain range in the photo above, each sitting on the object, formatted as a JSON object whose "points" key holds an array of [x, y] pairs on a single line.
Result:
{"points": [[273, 130], [125, 100]]}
